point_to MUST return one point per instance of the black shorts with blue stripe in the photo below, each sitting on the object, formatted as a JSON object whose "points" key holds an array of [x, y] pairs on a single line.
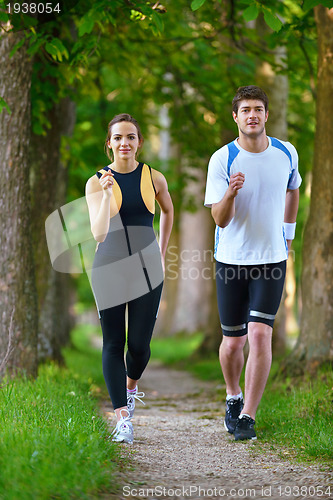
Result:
{"points": [[248, 294]]}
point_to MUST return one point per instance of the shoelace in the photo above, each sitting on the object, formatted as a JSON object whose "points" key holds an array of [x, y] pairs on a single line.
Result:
{"points": [[134, 395], [122, 424], [246, 420], [233, 407]]}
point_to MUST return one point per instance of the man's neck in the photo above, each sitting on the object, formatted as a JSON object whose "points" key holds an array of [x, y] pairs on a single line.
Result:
{"points": [[253, 144]]}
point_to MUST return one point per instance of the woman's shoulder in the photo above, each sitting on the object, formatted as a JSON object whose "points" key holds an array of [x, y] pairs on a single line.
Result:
{"points": [[92, 183], [156, 174], [158, 179]]}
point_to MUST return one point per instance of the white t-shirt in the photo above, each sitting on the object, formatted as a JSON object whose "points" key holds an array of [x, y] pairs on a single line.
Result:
{"points": [[255, 235]]}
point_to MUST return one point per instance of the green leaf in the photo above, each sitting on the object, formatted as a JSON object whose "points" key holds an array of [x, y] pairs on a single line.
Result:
{"points": [[273, 22], [196, 4], [158, 21], [86, 25], [251, 13], [56, 49], [310, 4], [61, 48], [4, 105], [3, 17], [146, 11], [17, 47], [51, 49]]}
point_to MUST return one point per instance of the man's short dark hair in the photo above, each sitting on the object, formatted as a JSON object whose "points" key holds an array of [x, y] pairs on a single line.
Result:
{"points": [[249, 92]]}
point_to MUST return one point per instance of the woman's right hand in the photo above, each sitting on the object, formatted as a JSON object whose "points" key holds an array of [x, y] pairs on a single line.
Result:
{"points": [[106, 182]]}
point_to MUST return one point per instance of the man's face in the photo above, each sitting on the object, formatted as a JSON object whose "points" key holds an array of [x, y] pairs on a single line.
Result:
{"points": [[251, 117]]}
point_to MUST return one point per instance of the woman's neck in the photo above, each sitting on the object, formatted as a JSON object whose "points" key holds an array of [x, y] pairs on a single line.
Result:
{"points": [[124, 166]]}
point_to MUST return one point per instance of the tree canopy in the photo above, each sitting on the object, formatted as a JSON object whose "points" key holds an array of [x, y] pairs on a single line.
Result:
{"points": [[186, 58]]}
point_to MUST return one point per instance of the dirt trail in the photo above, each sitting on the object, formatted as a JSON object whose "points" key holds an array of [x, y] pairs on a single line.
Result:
{"points": [[181, 450]]}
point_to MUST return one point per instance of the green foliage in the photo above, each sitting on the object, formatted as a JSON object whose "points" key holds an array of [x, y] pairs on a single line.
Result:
{"points": [[271, 20], [187, 58], [54, 443], [4, 18], [192, 69], [196, 4], [4, 105], [84, 361], [56, 49], [251, 12], [164, 348], [310, 4], [180, 351], [86, 24]]}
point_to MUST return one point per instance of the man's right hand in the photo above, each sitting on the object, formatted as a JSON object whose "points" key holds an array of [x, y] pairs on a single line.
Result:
{"points": [[236, 183]]}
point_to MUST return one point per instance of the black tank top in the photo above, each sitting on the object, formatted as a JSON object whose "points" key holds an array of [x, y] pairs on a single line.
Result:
{"points": [[131, 213]]}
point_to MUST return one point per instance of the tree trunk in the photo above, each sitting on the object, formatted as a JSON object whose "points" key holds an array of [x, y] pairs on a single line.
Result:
{"points": [[18, 306], [315, 344], [212, 331], [195, 262], [169, 296], [49, 185], [276, 86], [167, 152]]}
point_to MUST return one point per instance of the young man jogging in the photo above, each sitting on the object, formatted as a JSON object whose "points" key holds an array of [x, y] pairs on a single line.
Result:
{"points": [[252, 189]]}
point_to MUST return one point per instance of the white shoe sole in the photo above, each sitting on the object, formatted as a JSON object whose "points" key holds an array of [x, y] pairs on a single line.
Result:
{"points": [[247, 439], [226, 428], [122, 439]]}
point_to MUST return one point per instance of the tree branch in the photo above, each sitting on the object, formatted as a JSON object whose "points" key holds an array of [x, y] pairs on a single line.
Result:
{"points": [[311, 70]]}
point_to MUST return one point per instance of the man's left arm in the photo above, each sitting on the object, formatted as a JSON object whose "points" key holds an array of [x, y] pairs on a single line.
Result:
{"points": [[290, 214]]}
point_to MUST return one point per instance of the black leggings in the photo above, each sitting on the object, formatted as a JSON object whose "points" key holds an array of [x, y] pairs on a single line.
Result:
{"points": [[142, 314]]}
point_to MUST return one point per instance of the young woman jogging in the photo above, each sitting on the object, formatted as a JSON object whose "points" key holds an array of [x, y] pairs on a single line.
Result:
{"points": [[127, 274]]}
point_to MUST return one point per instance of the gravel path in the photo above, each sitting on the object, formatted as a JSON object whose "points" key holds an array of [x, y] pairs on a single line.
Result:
{"points": [[181, 450]]}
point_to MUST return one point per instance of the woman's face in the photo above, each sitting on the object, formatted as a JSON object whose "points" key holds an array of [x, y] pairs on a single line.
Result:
{"points": [[124, 141]]}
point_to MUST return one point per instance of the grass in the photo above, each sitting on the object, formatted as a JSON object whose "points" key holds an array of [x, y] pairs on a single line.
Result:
{"points": [[85, 361], [54, 443], [296, 415], [299, 414]]}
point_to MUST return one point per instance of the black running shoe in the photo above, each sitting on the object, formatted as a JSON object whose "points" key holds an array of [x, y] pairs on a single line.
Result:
{"points": [[244, 428], [233, 408]]}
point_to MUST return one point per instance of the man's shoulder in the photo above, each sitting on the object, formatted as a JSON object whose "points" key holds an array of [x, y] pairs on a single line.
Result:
{"points": [[283, 144], [287, 148], [223, 152]]}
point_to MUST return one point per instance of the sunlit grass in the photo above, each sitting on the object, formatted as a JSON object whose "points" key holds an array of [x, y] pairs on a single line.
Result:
{"points": [[54, 442], [176, 348], [299, 414]]}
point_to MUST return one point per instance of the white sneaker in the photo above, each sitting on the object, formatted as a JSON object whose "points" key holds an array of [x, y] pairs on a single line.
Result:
{"points": [[123, 433], [131, 397]]}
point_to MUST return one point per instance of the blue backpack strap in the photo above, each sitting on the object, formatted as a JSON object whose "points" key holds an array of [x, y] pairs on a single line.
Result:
{"points": [[233, 152]]}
